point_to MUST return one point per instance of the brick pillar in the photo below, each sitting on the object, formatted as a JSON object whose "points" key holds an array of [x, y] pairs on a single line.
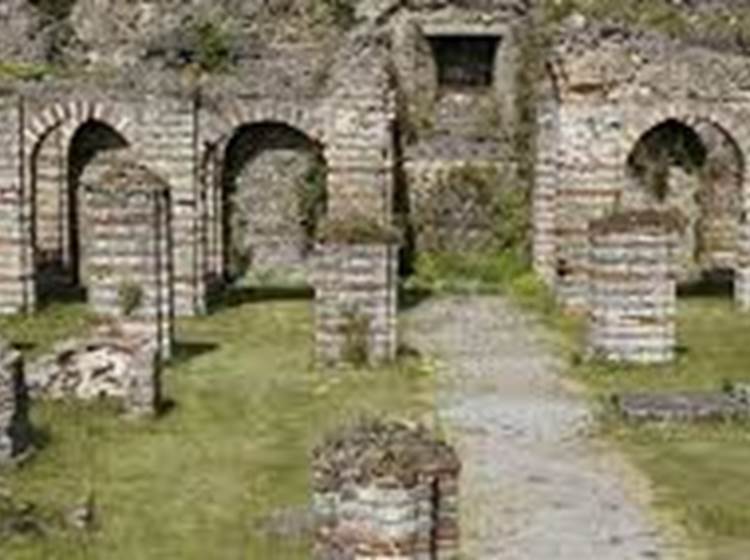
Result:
{"points": [[128, 256], [385, 491], [356, 303], [633, 292]]}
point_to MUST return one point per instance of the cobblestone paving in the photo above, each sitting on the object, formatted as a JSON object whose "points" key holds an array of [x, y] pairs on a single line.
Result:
{"points": [[535, 485]]}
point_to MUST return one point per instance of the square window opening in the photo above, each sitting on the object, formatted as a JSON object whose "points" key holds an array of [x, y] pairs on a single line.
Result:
{"points": [[464, 62]]}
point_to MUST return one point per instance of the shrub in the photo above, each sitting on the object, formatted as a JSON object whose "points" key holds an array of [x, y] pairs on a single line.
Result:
{"points": [[129, 297], [213, 46], [357, 229]]}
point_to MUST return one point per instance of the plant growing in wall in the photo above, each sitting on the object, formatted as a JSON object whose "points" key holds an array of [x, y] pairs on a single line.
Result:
{"points": [[357, 229], [312, 198], [129, 297], [356, 333]]}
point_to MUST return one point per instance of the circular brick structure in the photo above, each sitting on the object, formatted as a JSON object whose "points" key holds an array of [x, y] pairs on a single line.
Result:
{"points": [[387, 491], [632, 289]]}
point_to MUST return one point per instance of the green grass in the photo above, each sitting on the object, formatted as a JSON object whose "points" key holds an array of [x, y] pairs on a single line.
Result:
{"points": [[700, 473], [196, 482]]}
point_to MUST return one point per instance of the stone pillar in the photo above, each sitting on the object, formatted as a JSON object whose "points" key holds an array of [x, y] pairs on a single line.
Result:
{"points": [[128, 256], [356, 302], [632, 288], [385, 491], [15, 436]]}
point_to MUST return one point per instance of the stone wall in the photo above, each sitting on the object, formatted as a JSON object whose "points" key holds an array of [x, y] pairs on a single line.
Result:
{"points": [[356, 303], [275, 184], [114, 363], [128, 251], [385, 491], [456, 206], [14, 425], [633, 294]]}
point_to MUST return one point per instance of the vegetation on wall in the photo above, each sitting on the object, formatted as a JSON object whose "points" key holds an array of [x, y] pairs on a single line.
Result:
{"points": [[728, 27], [212, 46], [312, 198], [56, 9]]}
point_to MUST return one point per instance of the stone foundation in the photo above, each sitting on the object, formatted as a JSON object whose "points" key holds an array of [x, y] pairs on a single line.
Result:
{"points": [[385, 491], [129, 252], [115, 363], [356, 303], [14, 426], [632, 290]]}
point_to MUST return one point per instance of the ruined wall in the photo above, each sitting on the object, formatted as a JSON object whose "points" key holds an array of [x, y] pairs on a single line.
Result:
{"points": [[356, 302], [611, 90], [128, 250], [110, 364], [385, 491]]}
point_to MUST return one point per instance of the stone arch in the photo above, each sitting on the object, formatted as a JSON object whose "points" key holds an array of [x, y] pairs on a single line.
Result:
{"points": [[56, 164], [695, 166], [269, 192]]}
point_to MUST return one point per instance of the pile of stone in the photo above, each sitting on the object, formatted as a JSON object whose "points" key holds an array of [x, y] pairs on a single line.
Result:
{"points": [[15, 433], [385, 490], [114, 363], [632, 288], [733, 403]]}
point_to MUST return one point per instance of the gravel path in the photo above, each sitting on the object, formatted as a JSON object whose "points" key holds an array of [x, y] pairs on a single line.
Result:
{"points": [[535, 485]]}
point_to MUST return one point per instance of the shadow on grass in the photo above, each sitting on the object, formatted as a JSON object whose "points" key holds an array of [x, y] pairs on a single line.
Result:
{"points": [[719, 284], [184, 351], [412, 297], [236, 296]]}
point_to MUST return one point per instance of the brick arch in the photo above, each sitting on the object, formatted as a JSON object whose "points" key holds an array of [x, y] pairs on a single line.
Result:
{"points": [[221, 126], [692, 117], [71, 116]]}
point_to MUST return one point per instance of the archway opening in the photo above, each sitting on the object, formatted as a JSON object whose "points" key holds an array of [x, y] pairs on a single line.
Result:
{"points": [[695, 172], [274, 196], [57, 174]]}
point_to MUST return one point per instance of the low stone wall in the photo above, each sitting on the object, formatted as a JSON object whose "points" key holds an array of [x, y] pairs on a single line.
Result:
{"points": [[632, 289], [116, 363], [15, 436], [385, 491], [128, 254], [356, 303]]}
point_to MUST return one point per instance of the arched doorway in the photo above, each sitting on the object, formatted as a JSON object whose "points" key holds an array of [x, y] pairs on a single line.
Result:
{"points": [[695, 171], [58, 170], [273, 196]]}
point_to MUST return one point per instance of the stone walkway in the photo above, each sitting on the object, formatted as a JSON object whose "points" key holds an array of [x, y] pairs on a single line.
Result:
{"points": [[535, 485]]}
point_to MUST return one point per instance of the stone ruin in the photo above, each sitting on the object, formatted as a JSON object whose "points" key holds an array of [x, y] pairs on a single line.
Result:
{"points": [[684, 406], [356, 303], [632, 287], [387, 491], [15, 433], [128, 251], [112, 364], [632, 120]]}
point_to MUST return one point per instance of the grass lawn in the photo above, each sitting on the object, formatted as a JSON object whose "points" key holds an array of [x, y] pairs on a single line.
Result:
{"points": [[700, 473], [195, 483]]}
